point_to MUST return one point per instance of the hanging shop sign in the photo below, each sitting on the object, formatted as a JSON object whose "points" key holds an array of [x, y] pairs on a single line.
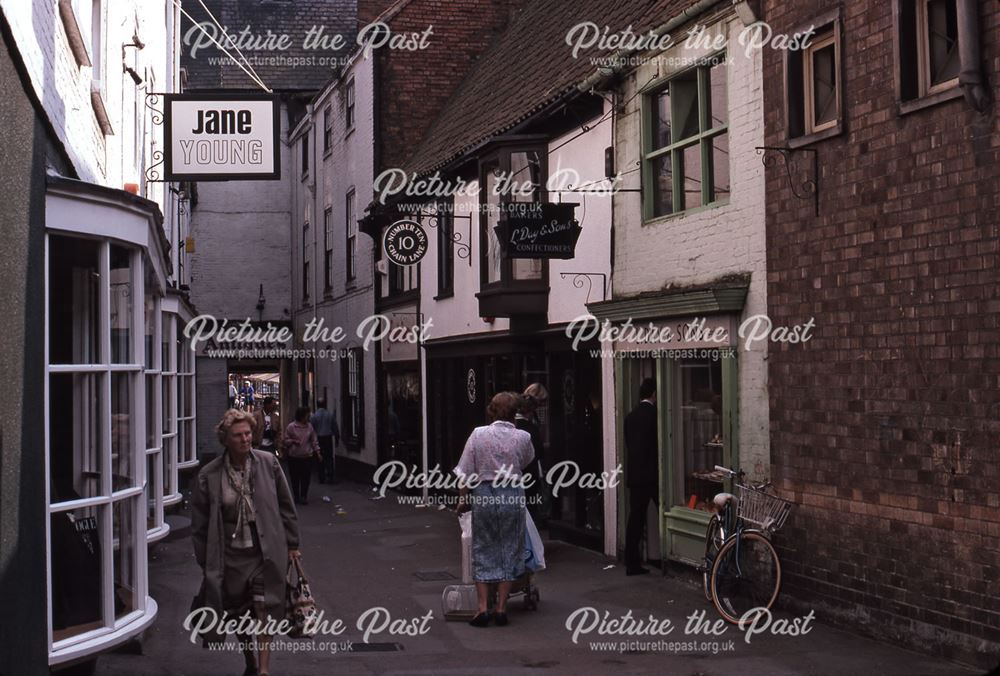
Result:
{"points": [[404, 242], [539, 230], [221, 137]]}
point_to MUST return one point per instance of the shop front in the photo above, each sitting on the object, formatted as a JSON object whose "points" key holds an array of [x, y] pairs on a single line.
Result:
{"points": [[118, 416], [464, 374], [690, 351]]}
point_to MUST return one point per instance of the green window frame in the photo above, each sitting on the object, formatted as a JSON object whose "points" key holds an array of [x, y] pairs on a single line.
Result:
{"points": [[698, 97]]}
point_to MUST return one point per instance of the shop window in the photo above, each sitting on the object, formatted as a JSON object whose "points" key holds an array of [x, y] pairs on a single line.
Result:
{"points": [[686, 141], [352, 378], [97, 432], [697, 432], [352, 235], [445, 252]]}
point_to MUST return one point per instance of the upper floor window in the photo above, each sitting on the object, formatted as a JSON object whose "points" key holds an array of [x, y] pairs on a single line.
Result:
{"points": [[352, 236], [813, 87], [328, 248], [928, 62], [327, 130], [305, 153], [306, 281], [445, 252], [512, 175], [937, 45], [686, 141], [349, 106]]}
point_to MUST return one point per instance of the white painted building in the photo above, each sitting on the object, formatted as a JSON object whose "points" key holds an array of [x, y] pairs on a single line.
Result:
{"points": [[118, 395], [689, 242], [332, 265]]}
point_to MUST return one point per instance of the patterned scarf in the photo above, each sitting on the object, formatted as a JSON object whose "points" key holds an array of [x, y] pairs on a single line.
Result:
{"points": [[239, 488]]}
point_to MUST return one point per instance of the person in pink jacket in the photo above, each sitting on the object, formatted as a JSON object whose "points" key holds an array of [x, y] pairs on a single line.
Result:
{"points": [[301, 447]]}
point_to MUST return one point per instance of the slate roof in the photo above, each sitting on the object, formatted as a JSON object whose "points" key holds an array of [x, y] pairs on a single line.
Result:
{"points": [[529, 67], [290, 17]]}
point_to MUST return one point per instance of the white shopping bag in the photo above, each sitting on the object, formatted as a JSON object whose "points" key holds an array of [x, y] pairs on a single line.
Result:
{"points": [[534, 550], [465, 521]]}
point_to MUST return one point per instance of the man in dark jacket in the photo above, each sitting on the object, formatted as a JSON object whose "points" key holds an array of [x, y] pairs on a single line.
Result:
{"points": [[642, 472]]}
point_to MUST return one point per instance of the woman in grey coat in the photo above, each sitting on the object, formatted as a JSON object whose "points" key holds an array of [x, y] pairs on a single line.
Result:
{"points": [[245, 531]]}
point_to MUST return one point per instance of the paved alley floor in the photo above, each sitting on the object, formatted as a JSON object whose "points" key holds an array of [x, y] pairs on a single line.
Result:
{"points": [[383, 554]]}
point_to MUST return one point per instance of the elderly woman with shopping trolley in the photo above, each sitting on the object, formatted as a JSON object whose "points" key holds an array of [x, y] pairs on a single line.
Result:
{"points": [[494, 458]]}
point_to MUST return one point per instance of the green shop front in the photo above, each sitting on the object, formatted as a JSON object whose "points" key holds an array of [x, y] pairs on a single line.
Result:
{"points": [[686, 341]]}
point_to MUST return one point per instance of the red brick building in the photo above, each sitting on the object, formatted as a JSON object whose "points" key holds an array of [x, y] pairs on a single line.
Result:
{"points": [[885, 426]]}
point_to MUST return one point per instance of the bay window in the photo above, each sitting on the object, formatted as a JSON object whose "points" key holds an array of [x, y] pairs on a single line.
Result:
{"points": [[510, 286], [95, 438]]}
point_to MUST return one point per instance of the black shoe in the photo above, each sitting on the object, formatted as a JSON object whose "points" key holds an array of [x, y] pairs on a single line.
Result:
{"points": [[636, 570], [501, 619], [480, 620], [250, 671]]}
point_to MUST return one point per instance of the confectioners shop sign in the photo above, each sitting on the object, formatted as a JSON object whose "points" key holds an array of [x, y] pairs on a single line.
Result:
{"points": [[219, 137], [538, 230]]}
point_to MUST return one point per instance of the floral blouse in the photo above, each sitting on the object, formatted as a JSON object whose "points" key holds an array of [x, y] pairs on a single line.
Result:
{"points": [[494, 447]]}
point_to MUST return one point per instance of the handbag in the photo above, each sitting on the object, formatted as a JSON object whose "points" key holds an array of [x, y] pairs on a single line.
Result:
{"points": [[300, 608]]}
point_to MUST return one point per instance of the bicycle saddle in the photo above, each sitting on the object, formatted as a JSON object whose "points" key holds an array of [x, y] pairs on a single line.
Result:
{"points": [[723, 499]]}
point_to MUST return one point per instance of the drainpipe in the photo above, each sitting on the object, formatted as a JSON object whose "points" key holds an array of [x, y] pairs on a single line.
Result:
{"points": [[971, 78]]}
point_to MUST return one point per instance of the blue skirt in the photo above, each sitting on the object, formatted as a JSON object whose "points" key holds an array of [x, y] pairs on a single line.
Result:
{"points": [[497, 533]]}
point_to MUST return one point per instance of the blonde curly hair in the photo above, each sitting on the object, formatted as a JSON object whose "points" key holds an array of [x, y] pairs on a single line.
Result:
{"points": [[230, 418]]}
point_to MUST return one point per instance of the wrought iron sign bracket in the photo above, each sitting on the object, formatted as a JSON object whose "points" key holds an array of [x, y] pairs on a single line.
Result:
{"points": [[153, 172], [803, 189], [463, 249], [580, 277]]}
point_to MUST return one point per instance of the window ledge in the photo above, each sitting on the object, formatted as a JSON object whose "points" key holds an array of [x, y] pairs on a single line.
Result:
{"points": [[913, 105], [815, 137], [449, 293], [657, 220]]}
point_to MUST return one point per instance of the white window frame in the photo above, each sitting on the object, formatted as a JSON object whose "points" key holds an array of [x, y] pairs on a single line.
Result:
{"points": [[113, 630], [154, 484], [171, 493]]}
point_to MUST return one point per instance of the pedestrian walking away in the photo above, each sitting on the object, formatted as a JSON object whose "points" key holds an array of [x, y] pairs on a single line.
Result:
{"points": [[302, 450], [641, 462], [328, 434], [267, 435], [498, 514], [245, 533], [534, 396], [233, 393]]}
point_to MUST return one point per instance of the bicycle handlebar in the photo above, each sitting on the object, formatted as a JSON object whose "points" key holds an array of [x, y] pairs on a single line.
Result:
{"points": [[730, 472]]}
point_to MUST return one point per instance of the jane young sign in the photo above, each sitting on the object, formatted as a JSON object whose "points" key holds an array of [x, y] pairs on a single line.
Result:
{"points": [[221, 137], [538, 230]]}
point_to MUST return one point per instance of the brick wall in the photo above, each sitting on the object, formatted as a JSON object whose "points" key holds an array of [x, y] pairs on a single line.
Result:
{"points": [[414, 86], [884, 427]]}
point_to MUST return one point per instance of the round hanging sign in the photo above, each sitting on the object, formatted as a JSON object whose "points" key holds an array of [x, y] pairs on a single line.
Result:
{"points": [[405, 243]]}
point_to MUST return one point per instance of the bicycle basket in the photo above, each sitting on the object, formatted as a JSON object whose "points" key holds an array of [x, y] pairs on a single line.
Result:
{"points": [[763, 510]]}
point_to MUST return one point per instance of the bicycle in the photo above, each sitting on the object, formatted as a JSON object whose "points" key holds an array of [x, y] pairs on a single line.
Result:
{"points": [[742, 570]]}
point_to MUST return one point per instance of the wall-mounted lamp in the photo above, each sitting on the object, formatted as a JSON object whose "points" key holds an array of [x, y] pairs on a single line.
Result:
{"points": [[136, 78]]}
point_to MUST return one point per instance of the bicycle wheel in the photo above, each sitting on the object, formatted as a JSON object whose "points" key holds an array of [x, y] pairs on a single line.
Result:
{"points": [[713, 543], [745, 577]]}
